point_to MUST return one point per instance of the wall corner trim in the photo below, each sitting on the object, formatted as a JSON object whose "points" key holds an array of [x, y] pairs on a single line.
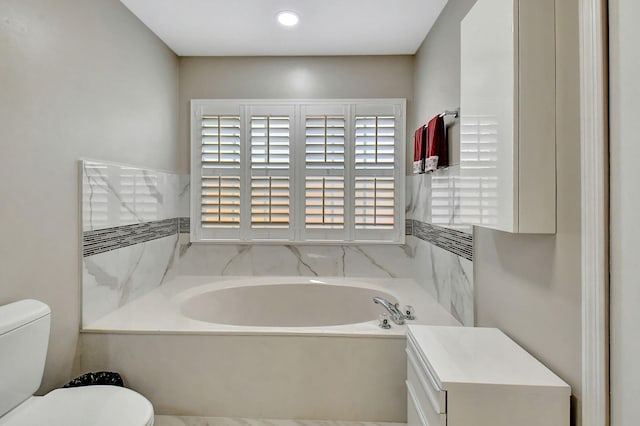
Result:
{"points": [[595, 221]]}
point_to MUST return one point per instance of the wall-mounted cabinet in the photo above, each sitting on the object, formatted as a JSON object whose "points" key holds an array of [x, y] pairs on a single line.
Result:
{"points": [[508, 116]]}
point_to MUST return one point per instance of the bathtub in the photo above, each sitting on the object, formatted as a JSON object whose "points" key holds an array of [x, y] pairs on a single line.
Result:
{"points": [[273, 347], [298, 304]]}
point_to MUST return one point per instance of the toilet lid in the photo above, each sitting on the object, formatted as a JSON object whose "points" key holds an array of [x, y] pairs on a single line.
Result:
{"points": [[83, 406]]}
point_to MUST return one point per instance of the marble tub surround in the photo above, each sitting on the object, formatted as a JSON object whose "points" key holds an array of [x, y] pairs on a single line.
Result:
{"points": [[130, 232], [418, 196], [136, 237], [107, 239], [161, 310], [454, 241], [366, 260], [375, 261], [116, 194], [114, 278], [439, 243], [227, 421], [435, 198], [184, 194], [446, 276]]}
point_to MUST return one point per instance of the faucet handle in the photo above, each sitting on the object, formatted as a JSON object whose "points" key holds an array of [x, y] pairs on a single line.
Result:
{"points": [[384, 321], [408, 312]]}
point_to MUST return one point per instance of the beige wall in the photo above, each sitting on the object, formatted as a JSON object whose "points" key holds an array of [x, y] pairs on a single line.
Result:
{"points": [[529, 285], [625, 204], [290, 78], [436, 78], [77, 79]]}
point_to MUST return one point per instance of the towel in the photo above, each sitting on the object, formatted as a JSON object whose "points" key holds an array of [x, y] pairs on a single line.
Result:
{"points": [[419, 150], [437, 151]]}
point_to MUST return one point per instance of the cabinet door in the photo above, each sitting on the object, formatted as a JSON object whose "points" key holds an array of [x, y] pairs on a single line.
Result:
{"points": [[508, 116], [488, 139]]}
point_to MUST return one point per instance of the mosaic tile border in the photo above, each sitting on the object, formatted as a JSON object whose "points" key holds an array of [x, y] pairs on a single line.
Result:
{"points": [[107, 239], [456, 242], [408, 227], [184, 225]]}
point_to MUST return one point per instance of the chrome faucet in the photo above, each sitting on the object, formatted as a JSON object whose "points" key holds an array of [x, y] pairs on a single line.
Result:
{"points": [[397, 316]]}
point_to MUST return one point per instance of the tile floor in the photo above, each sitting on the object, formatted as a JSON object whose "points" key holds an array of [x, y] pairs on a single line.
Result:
{"points": [[227, 421]]}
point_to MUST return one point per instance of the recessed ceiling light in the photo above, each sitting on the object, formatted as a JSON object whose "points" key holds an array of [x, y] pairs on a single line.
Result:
{"points": [[288, 18]]}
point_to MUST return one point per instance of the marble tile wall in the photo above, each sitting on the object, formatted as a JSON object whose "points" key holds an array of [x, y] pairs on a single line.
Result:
{"points": [[102, 240], [446, 276], [440, 243], [135, 235], [436, 198], [130, 232], [114, 278], [377, 261], [457, 242], [116, 194]]}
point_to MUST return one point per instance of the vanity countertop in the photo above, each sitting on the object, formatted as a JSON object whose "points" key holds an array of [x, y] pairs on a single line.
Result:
{"points": [[463, 356]]}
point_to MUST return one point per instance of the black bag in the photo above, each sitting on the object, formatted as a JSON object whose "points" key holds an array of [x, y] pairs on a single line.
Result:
{"points": [[98, 378]]}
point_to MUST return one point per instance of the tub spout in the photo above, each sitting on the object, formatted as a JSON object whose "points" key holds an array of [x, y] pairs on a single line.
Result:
{"points": [[395, 313]]}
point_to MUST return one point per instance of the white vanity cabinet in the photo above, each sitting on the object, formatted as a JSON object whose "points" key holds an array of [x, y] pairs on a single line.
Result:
{"points": [[469, 376], [508, 116]]}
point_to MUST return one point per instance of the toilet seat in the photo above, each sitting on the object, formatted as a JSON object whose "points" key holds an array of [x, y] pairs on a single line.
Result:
{"points": [[83, 406]]}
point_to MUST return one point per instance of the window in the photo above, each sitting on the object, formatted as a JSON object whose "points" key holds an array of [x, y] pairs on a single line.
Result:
{"points": [[297, 171]]}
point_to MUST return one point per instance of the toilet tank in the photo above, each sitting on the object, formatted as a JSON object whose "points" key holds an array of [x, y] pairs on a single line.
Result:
{"points": [[24, 337]]}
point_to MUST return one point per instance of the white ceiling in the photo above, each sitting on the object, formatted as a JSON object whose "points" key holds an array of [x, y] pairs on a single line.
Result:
{"points": [[327, 27]]}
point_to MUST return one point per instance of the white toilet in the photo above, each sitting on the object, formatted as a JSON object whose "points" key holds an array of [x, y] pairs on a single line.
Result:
{"points": [[24, 337]]}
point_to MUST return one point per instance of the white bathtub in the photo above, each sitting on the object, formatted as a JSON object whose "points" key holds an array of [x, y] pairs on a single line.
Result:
{"points": [[276, 347], [305, 304]]}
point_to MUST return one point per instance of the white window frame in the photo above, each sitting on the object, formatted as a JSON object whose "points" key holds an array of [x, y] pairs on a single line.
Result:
{"points": [[297, 233]]}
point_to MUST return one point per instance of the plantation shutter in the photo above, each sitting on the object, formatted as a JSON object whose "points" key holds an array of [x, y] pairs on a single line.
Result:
{"points": [[325, 164], [218, 164], [377, 204], [297, 171], [270, 141]]}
